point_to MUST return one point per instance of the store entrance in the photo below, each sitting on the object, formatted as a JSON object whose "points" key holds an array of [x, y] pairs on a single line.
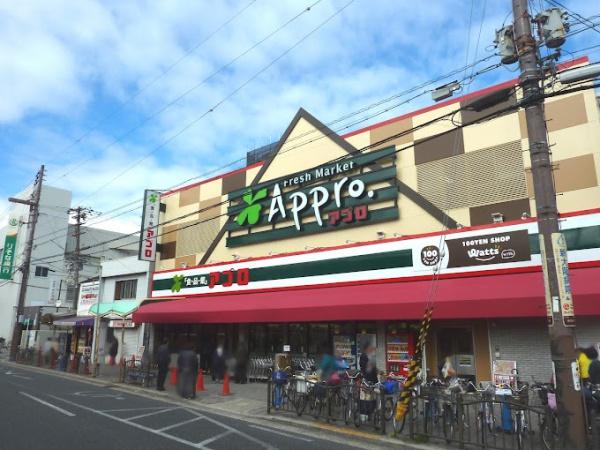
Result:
{"points": [[457, 344]]}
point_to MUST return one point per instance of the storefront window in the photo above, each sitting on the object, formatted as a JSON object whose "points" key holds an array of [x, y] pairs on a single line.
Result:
{"points": [[257, 340], [318, 338], [298, 337], [275, 338]]}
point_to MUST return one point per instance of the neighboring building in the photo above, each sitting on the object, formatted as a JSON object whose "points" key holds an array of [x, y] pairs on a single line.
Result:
{"points": [[377, 211], [124, 286], [51, 282]]}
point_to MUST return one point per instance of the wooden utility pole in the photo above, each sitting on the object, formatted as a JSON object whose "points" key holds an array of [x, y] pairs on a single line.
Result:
{"points": [[561, 319], [33, 204]]}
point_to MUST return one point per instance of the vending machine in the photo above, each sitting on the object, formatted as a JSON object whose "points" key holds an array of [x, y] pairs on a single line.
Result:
{"points": [[400, 348]]}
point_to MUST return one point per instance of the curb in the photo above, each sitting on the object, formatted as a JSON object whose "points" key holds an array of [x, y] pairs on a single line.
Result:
{"points": [[257, 419]]}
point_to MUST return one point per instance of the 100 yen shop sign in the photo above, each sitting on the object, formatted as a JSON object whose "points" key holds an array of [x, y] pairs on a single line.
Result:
{"points": [[497, 248]]}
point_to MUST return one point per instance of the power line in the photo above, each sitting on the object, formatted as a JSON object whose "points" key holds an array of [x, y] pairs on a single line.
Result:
{"points": [[154, 80], [336, 131], [175, 100]]}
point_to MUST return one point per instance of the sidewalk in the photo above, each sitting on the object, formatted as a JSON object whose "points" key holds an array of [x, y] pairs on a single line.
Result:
{"points": [[247, 401]]}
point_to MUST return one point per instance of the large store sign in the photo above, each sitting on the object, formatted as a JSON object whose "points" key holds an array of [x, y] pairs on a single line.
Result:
{"points": [[495, 248], [324, 198], [88, 296], [149, 231], [10, 247]]}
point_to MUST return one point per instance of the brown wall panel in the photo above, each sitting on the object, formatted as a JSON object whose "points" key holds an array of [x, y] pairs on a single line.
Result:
{"points": [[392, 129], [443, 146], [168, 250], [233, 182], [575, 173], [566, 112], [512, 210], [189, 196], [468, 116]]}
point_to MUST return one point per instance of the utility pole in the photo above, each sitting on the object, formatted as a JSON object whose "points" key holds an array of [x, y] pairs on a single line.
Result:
{"points": [[81, 214], [33, 204], [561, 326]]}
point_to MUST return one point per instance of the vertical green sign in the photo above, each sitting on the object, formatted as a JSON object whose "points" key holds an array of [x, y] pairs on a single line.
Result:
{"points": [[8, 257]]}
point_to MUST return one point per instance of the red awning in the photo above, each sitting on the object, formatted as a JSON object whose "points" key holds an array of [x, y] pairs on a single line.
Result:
{"points": [[493, 296]]}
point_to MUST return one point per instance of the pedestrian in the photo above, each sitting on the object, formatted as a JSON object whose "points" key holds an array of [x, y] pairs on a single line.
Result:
{"points": [[241, 364], [113, 350], [187, 366], [368, 363], [218, 364], [163, 359], [47, 351], [588, 366], [447, 370]]}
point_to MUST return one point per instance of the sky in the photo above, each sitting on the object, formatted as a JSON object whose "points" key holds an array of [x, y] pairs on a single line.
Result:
{"points": [[115, 97]]}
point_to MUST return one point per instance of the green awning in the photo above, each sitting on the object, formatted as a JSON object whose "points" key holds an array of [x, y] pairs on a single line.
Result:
{"points": [[121, 308]]}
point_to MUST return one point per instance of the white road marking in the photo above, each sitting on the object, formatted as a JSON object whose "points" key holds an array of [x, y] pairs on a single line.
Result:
{"points": [[185, 422], [94, 394], [133, 424], [152, 413], [49, 405], [18, 376], [213, 439], [132, 409], [233, 430], [281, 433]]}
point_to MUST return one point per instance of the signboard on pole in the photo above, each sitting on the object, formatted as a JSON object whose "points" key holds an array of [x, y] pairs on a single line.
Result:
{"points": [[549, 302], [10, 247], [88, 295], [561, 261], [149, 231]]}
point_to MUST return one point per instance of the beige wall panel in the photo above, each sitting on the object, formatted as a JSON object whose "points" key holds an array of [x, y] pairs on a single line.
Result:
{"points": [[188, 261], [461, 215], [591, 106], [437, 127], [211, 189], [575, 141], [495, 132], [579, 200], [401, 126], [251, 174], [166, 264], [172, 204], [302, 153], [213, 208], [189, 196], [360, 140], [182, 211]]}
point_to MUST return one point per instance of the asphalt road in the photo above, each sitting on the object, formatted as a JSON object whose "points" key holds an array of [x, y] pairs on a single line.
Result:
{"points": [[42, 411]]}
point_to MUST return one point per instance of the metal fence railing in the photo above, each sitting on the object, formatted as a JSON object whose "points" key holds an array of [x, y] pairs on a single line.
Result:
{"points": [[460, 420]]}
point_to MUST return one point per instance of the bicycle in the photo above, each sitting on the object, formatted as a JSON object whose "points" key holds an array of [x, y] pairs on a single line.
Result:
{"points": [[519, 399], [549, 428], [352, 396], [450, 408], [280, 394], [485, 416]]}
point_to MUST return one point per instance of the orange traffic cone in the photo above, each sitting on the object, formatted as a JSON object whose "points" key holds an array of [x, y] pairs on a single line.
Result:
{"points": [[200, 381], [173, 379], [226, 390]]}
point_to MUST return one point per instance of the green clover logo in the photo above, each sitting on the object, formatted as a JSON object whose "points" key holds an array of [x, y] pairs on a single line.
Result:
{"points": [[177, 281], [153, 198], [251, 213]]}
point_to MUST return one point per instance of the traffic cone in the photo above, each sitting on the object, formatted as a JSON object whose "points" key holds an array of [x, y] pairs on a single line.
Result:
{"points": [[200, 381], [173, 379], [226, 390]]}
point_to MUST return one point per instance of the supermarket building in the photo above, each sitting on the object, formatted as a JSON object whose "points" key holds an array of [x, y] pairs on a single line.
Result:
{"points": [[333, 241]]}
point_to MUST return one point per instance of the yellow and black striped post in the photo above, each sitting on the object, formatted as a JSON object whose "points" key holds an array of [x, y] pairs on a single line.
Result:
{"points": [[414, 365]]}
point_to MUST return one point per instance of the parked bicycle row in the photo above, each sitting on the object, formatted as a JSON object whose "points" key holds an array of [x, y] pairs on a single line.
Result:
{"points": [[456, 411]]}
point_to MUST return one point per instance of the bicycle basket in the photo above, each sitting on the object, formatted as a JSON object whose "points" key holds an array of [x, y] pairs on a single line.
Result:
{"points": [[390, 387], [280, 377]]}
